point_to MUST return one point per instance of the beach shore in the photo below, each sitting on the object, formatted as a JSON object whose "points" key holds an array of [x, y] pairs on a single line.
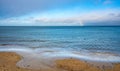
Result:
{"points": [[8, 62]]}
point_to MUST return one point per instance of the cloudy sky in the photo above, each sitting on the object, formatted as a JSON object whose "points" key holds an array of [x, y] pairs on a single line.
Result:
{"points": [[59, 12]]}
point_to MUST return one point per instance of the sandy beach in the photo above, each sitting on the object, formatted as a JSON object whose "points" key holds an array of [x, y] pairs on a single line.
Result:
{"points": [[8, 62]]}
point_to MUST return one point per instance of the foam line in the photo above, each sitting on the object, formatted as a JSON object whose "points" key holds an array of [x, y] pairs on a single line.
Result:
{"points": [[40, 57], [61, 52]]}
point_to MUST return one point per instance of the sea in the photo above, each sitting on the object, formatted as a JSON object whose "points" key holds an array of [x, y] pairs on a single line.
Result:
{"points": [[95, 43]]}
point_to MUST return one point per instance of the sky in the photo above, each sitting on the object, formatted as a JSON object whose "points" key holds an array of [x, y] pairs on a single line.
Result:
{"points": [[59, 12]]}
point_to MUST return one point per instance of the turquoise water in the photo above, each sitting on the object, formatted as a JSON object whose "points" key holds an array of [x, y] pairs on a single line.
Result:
{"points": [[88, 39]]}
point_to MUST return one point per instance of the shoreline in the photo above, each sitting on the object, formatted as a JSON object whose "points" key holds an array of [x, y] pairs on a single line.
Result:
{"points": [[8, 61]]}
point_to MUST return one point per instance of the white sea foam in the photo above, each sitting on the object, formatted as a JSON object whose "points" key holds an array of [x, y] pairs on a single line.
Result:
{"points": [[40, 57]]}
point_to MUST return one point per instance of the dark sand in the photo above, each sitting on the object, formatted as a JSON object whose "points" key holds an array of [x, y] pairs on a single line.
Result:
{"points": [[8, 62]]}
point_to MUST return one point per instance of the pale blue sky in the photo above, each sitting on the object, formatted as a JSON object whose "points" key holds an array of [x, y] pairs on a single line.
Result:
{"points": [[59, 12]]}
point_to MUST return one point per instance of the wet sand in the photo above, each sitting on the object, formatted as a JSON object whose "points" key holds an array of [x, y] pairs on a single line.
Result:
{"points": [[77, 65], [8, 62]]}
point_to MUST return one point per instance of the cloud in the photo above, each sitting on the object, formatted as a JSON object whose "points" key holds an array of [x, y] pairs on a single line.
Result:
{"points": [[107, 2], [43, 21], [77, 19], [10, 8], [118, 15]]}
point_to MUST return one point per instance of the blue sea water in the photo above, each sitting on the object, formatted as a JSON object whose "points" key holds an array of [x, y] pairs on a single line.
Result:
{"points": [[76, 38]]}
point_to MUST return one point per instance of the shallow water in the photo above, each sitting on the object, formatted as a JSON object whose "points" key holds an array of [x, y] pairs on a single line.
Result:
{"points": [[45, 44]]}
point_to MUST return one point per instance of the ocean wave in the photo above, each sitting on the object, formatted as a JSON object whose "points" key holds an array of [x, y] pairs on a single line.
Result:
{"points": [[38, 58], [24, 40], [63, 52]]}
